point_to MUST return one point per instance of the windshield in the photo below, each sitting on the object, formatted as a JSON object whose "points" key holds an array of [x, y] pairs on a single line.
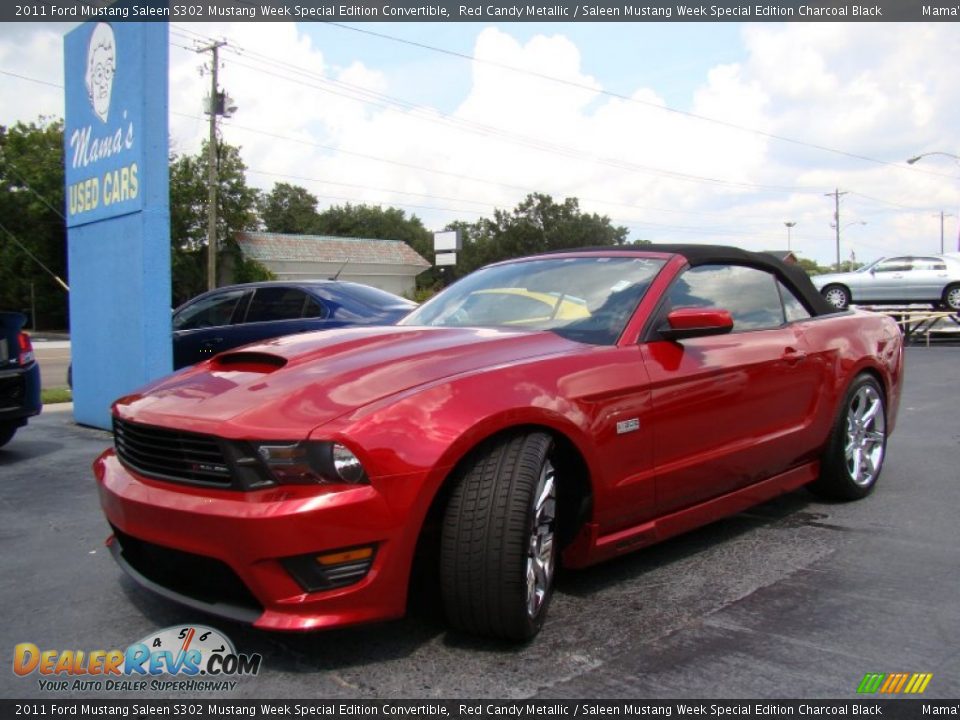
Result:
{"points": [[585, 299]]}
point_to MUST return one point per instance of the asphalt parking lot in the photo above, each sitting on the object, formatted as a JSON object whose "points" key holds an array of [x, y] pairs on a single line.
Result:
{"points": [[794, 598]]}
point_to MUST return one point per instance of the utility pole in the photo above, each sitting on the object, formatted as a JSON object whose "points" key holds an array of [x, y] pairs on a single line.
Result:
{"points": [[212, 179], [942, 216], [941, 232], [836, 218]]}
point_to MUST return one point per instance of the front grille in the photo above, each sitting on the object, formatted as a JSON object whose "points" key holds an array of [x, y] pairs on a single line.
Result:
{"points": [[201, 578], [171, 454], [12, 391]]}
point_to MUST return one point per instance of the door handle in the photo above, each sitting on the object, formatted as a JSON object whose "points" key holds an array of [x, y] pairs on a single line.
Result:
{"points": [[793, 356]]}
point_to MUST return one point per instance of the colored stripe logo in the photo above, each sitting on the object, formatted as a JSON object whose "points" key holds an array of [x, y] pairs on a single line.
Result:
{"points": [[894, 683]]}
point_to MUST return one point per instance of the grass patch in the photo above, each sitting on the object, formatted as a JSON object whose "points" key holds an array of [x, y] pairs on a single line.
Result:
{"points": [[56, 395]]}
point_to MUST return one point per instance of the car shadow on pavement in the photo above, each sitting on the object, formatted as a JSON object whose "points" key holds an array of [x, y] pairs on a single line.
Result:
{"points": [[20, 450], [588, 581], [330, 650], [307, 652]]}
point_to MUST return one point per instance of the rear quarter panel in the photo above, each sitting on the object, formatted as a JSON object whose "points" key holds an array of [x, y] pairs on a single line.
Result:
{"points": [[847, 344]]}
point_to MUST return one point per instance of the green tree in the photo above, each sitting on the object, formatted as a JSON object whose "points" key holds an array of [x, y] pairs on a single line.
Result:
{"points": [[288, 209], [371, 221], [377, 223], [31, 210], [538, 224], [812, 267], [236, 211]]}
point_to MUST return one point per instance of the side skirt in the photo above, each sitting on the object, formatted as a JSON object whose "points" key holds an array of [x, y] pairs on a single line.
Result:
{"points": [[590, 547]]}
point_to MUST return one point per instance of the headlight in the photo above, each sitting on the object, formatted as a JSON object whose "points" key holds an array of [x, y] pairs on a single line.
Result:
{"points": [[311, 462]]}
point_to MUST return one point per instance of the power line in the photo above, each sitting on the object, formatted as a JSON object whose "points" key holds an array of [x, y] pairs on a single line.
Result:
{"points": [[30, 79], [37, 260], [619, 96], [366, 96], [27, 185]]}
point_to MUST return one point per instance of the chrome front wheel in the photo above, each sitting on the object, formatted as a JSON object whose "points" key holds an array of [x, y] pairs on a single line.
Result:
{"points": [[498, 545], [540, 552]]}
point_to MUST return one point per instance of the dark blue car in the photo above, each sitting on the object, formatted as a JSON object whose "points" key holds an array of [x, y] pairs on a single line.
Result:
{"points": [[19, 376], [227, 317]]}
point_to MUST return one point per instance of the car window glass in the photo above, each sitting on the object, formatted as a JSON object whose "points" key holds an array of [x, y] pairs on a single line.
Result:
{"points": [[927, 263], [893, 265], [374, 297], [792, 307], [276, 303], [314, 309], [749, 295], [210, 311]]}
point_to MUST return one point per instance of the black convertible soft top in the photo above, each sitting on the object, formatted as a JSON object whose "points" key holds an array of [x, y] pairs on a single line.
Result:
{"points": [[793, 276]]}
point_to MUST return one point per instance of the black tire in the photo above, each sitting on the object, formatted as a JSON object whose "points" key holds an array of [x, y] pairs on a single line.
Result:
{"points": [[497, 546], [860, 432], [6, 433], [837, 295], [951, 298]]}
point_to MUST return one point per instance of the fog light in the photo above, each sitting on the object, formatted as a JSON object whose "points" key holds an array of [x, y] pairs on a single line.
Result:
{"points": [[338, 558], [331, 570]]}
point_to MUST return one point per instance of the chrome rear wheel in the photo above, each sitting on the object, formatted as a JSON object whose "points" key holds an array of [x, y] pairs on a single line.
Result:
{"points": [[866, 436]]}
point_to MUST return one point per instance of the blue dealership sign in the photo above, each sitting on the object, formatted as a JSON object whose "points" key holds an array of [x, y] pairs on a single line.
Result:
{"points": [[104, 150], [118, 211]]}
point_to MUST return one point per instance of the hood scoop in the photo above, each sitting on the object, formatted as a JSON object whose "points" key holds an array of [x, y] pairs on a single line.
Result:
{"points": [[254, 362]]}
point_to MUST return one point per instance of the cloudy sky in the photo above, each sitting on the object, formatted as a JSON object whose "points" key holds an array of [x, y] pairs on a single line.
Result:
{"points": [[681, 132]]}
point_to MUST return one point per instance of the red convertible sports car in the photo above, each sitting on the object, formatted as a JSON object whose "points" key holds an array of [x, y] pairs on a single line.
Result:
{"points": [[565, 408]]}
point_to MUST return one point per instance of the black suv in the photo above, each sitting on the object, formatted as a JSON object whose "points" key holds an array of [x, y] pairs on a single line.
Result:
{"points": [[19, 376]]}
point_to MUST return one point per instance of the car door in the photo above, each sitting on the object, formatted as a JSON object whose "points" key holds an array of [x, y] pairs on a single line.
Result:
{"points": [[199, 326], [926, 280], [886, 281], [729, 410]]}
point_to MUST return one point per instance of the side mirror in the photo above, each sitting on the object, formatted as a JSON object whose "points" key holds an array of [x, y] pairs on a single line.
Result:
{"points": [[696, 322]]}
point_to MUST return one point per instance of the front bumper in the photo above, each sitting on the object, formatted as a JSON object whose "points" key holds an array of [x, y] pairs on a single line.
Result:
{"points": [[223, 551], [20, 394]]}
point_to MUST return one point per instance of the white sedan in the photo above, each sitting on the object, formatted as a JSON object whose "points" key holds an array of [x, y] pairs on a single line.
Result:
{"points": [[898, 280]]}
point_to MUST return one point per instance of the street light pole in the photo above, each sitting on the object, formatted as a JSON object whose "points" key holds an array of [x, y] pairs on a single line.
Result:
{"points": [[789, 225]]}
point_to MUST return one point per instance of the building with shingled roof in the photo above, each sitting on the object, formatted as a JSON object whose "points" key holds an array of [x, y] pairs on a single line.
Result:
{"points": [[390, 265]]}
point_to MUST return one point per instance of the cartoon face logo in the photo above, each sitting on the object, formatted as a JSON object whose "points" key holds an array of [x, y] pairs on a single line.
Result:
{"points": [[101, 65]]}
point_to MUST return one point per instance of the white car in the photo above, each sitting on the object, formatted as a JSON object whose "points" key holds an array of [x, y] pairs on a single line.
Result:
{"points": [[933, 279]]}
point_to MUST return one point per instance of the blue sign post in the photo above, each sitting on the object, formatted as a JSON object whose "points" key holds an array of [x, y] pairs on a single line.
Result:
{"points": [[118, 211]]}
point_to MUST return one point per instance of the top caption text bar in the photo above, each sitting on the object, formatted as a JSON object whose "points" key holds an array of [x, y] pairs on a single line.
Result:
{"points": [[481, 11]]}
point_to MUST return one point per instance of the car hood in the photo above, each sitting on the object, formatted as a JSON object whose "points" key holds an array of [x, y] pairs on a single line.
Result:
{"points": [[284, 387]]}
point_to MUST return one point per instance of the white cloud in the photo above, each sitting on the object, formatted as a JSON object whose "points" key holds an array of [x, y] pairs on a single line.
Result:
{"points": [[33, 52]]}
